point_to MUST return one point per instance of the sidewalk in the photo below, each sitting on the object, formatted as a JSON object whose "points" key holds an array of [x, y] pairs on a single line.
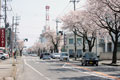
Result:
{"points": [[108, 62], [7, 70]]}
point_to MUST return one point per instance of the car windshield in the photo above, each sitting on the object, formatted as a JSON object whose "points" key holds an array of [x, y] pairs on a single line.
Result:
{"points": [[64, 54], [57, 54], [90, 55], [46, 54]]}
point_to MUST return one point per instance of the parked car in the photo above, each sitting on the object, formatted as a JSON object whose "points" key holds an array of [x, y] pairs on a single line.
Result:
{"points": [[45, 56], [4, 56], [34, 55], [55, 56], [41, 55], [89, 58], [64, 56]]}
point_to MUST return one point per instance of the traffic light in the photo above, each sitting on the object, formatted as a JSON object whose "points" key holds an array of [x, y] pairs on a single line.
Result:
{"points": [[26, 40], [61, 32], [7, 25]]}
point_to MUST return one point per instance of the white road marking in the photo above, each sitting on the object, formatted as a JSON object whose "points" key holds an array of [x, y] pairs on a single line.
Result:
{"points": [[36, 70], [37, 62]]}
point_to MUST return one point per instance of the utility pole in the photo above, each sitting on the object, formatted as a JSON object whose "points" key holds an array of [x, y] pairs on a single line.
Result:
{"points": [[5, 20], [75, 54], [0, 13], [16, 24], [57, 21], [12, 41], [12, 36]]}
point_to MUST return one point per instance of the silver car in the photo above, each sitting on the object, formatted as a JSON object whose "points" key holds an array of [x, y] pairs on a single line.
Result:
{"points": [[55, 55], [64, 56], [46, 56]]}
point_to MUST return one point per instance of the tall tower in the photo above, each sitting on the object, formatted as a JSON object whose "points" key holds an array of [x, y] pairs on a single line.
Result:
{"points": [[47, 26]]}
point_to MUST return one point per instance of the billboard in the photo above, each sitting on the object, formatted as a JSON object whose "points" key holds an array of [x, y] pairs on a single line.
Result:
{"points": [[2, 37]]}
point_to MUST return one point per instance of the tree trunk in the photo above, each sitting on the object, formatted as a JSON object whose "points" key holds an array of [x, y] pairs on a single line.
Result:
{"points": [[20, 52], [114, 57], [84, 44], [90, 48], [56, 48], [89, 45]]}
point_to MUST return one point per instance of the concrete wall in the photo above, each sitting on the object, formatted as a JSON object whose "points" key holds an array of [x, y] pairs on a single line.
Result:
{"points": [[108, 56]]}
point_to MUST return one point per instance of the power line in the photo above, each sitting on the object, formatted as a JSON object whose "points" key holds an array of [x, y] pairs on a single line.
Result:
{"points": [[64, 9]]}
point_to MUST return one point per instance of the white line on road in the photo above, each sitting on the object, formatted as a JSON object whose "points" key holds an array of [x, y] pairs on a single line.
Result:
{"points": [[36, 70]]}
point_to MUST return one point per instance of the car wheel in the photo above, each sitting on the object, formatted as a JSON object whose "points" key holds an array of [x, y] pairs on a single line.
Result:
{"points": [[97, 64], [82, 64], [92, 64], [67, 60], [3, 58], [85, 64]]}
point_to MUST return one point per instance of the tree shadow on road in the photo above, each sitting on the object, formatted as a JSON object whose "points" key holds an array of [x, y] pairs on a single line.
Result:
{"points": [[63, 70], [106, 69], [117, 75], [83, 78]]}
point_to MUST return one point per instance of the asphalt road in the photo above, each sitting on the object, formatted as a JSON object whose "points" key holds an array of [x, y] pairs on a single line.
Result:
{"points": [[35, 69]]}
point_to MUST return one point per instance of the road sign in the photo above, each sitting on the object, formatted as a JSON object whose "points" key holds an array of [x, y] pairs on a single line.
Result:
{"points": [[2, 37]]}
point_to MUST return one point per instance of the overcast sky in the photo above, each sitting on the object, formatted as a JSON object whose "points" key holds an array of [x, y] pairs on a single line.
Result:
{"points": [[32, 14]]}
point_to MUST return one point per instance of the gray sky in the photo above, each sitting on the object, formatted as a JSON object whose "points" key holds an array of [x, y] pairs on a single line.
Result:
{"points": [[32, 14]]}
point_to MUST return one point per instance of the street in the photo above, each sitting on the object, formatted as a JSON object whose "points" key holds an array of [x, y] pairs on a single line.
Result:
{"points": [[35, 69]]}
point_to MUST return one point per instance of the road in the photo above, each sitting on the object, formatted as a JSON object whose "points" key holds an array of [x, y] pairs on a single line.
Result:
{"points": [[35, 69]]}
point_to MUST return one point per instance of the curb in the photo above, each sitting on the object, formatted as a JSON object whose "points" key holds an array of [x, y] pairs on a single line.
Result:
{"points": [[7, 78], [109, 64]]}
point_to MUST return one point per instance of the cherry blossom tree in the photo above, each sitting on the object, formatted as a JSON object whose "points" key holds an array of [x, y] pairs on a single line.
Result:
{"points": [[107, 16], [85, 28], [20, 46], [53, 40], [114, 5]]}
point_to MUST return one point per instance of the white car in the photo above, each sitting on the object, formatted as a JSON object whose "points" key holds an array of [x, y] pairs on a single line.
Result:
{"points": [[4, 56], [64, 56], [56, 56]]}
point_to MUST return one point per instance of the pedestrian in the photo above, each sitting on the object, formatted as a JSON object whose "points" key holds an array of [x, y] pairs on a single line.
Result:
{"points": [[15, 55]]}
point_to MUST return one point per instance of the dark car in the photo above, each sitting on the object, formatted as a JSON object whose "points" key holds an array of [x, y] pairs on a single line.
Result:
{"points": [[45, 55], [89, 58]]}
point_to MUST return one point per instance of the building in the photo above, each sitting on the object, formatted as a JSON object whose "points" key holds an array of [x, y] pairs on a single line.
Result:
{"points": [[69, 45]]}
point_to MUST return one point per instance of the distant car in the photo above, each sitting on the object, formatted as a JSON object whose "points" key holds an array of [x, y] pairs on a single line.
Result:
{"points": [[89, 58], [4, 56], [46, 56], [34, 55], [64, 56], [55, 55]]}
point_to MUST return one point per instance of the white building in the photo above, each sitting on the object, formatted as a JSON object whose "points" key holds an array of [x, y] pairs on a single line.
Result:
{"points": [[70, 47]]}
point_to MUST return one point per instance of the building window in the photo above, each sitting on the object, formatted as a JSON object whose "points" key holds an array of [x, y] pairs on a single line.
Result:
{"points": [[79, 41], [109, 47], [119, 46], [79, 53], [70, 41], [71, 54]]}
